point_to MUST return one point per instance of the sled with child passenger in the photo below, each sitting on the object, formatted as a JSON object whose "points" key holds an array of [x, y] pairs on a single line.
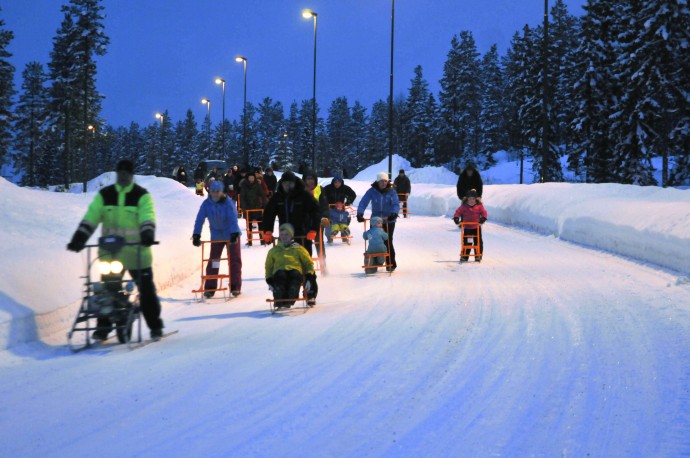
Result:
{"points": [[373, 260]]}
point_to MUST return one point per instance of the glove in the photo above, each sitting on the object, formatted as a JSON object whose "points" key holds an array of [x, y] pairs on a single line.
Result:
{"points": [[196, 240], [325, 222], [268, 238], [147, 237], [311, 235], [392, 217], [78, 241], [269, 281], [360, 218], [456, 220], [482, 220], [234, 236]]}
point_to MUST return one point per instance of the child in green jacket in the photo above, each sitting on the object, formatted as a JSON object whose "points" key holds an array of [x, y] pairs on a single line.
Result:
{"points": [[287, 264]]}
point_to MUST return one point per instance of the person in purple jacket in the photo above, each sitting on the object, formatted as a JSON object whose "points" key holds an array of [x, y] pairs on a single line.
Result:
{"points": [[221, 213]]}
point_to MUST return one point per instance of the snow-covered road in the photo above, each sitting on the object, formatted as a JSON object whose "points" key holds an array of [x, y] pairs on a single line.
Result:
{"points": [[544, 349]]}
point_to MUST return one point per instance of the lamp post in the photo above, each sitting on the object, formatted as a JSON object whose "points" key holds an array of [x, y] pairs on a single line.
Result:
{"points": [[221, 81], [311, 14], [208, 106], [390, 98], [87, 161], [160, 159], [245, 153]]}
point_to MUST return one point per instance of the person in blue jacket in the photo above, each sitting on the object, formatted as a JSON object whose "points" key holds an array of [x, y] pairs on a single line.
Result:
{"points": [[221, 213], [384, 204]]}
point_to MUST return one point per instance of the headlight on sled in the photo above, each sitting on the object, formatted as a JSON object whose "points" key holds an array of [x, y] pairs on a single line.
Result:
{"points": [[107, 268]]}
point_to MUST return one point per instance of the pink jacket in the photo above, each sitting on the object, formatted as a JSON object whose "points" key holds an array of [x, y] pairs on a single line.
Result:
{"points": [[470, 214]]}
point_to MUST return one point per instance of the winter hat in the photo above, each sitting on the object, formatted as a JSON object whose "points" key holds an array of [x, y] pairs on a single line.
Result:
{"points": [[375, 221], [125, 165], [216, 186], [336, 179], [472, 193], [401, 171], [288, 176], [382, 176], [309, 174], [287, 227]]}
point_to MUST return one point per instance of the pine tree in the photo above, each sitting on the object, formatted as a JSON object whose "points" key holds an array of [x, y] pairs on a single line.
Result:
{"points": [[658, 66], [31, 115], [493, 125], [6, 93], [563, 42], [270, 128], [460, 101], [632, 152], [75, 103], [186, 137], [596, 91], [354, 161], [418, 118], [339, 131], [377, 144]]}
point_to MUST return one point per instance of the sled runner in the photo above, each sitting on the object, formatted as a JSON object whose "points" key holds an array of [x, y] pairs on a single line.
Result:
{"points": [[470, 240], [205, 245], [110, 297]]}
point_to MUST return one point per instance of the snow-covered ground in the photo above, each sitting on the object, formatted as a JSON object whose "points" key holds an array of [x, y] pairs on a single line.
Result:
{"points": [[555, 345]]}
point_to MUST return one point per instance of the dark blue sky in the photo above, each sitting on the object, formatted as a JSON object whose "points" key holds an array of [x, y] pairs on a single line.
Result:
{"points": [[165, 54]]}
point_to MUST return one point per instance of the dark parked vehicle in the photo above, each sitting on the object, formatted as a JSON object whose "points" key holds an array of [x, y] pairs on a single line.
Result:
{"points": [[208, 164]]}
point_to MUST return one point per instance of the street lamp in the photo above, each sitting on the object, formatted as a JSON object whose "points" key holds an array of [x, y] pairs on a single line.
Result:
{"points": [[306, 14], [221, 81], [390, 98], [160, 159], [245, 153], [208, 106], [86, 162]]}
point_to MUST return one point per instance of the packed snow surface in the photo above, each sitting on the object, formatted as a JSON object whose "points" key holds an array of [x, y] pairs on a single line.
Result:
{"points": [[555, 345]]}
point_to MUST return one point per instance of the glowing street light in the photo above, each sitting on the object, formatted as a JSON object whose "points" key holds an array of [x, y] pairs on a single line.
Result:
{"points": [[306, 14], [245, 153], [221, 81], [160, 159], [208, 106]]}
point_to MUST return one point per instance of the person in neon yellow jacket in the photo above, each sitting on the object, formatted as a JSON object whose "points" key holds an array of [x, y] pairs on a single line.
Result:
{"points": [[287, 264], [125, 209]]}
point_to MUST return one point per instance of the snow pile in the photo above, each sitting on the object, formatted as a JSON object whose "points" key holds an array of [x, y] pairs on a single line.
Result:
{"points": [[439, 175]]}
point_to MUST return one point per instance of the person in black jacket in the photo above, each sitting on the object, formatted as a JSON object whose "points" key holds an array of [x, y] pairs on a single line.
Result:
{"points": [[469, 179], [293, 204], [271, 181], [403, 188], [338, 191]]}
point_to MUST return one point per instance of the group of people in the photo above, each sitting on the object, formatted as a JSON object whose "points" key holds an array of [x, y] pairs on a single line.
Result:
{"points": [[302, 207]]}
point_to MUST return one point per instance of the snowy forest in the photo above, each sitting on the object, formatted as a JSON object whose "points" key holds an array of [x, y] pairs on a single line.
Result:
{"points": [[608, 90]]}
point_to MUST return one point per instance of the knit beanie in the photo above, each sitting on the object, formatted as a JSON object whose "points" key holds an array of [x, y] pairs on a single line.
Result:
{"points": [[287, 227]]}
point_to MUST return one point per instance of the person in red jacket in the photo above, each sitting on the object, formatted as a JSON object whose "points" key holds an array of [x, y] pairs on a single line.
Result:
{"points": [[473, 213]]}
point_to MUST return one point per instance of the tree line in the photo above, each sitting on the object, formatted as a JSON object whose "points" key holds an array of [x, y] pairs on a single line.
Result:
{"points": [[608, 91]]}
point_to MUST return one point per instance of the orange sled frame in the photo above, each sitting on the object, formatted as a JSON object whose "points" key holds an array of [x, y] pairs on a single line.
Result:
{"points": [[475, 244], [220, 277]]}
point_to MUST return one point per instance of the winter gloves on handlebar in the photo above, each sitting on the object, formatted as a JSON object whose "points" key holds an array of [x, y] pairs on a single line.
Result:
{"points": [[360, 218], [196, 239], [234, 236], [147, 237], [78, 241]]}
